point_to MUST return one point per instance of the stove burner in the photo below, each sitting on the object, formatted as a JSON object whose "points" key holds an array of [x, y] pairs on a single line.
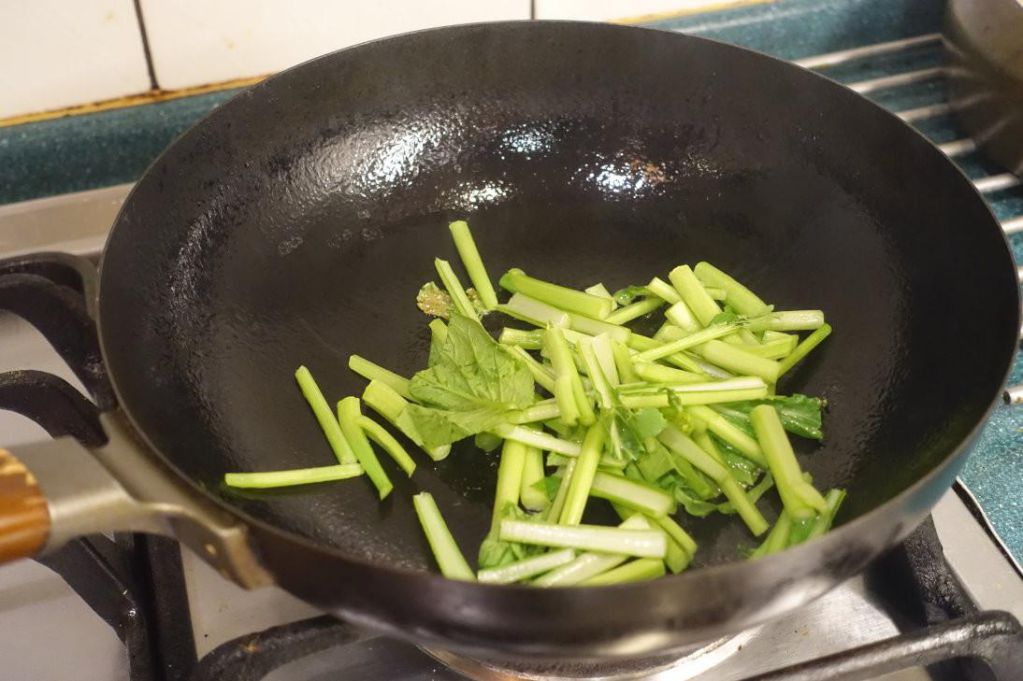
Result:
{"points": [[676, 666]]}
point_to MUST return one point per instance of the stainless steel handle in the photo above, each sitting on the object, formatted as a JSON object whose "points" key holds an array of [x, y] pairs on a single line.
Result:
{"points": [[121, 486]]}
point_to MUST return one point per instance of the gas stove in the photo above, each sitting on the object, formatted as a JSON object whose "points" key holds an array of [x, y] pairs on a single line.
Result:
{"points": [[133, 607]]}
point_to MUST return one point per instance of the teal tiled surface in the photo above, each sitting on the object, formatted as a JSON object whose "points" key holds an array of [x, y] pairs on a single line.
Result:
{"points": [[93, 150], [793, 29], [994, 473], [111, 147]]}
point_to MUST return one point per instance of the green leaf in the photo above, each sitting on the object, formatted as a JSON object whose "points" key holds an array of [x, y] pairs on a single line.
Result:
{"points": [[496, 553], [693, 506], [799, 414], [726, 317], [655, 462], [648, 422], [633, 428], [743, 470], [471, 386], [443, 426], [472, 371], [737, 418], [548, 485]]}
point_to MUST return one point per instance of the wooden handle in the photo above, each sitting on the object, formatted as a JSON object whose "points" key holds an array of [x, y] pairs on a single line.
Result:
{"points": [[24, 515]]}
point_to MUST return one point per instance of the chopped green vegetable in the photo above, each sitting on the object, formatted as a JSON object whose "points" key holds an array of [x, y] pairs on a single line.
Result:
{"points": [[639, 543], [822, 524], [623, 362], [801, 500], [558, 502], [531, 497], [683, 319], [348, 414], [509, 478], [454, 288], [526, 568], [692, 340], [690, 418], [603, 350], [663, 290], [634, 310], [634, 495], [742, 442], [528, 340], [668, 396], [382, 399], [639, 570], [470, 256], [777, 539], [539, 439], [804, 348], [793, 320], [600, 291], [595, 327], [737, 360], [541, 411], [449, 557], [587, 565], [566, 377], [596, 375], [375, 432], [295, 476], [331, 429], [534, 312], [740, 298], [375, 372], [582, 477], [561, 297], [693, 294]]}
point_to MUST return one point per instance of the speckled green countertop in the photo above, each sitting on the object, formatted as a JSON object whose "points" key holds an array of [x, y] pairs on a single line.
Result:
{"points": [[101, 149]]}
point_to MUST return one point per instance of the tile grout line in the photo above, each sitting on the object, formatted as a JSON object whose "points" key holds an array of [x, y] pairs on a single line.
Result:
{"points": [[150, 69]]}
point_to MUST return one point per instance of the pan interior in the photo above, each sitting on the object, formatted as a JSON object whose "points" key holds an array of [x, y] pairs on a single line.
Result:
{"points": [[296, 224]]}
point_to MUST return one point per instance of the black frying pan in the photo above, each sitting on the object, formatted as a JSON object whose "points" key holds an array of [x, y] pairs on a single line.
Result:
{"points": [[296, 223]]}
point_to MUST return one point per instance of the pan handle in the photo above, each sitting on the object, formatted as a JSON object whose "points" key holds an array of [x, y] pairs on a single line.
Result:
{"points": [[24, 517], [54, 491], [106, 480]]}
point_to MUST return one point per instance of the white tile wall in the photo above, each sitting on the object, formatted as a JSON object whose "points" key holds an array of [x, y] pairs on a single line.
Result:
{"points": [[195, 42], [57, 53], [610, 10]]}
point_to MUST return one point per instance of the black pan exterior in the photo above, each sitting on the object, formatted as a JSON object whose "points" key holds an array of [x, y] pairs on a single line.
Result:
{"points": [[296, 223]]}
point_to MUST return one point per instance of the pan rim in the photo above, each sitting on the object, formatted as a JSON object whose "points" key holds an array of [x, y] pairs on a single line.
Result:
{"points": [[774, 562]]}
